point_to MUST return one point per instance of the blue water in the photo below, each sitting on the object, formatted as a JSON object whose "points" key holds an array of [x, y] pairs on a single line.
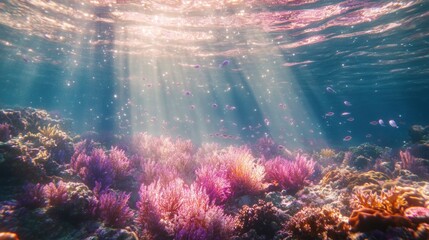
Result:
{"points": [[119, 75]]}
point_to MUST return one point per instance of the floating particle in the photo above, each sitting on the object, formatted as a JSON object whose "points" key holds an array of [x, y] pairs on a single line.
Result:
{"points": [[197, 66], [329, 114], [192, 107], [381, 122], [350, 119], [187, 93], [392, 123], [345, 113], [282, 106], [347, 103], [230, 108], [368, 135], [347, 138], [214, 105], [330, 90], [224, 63]]}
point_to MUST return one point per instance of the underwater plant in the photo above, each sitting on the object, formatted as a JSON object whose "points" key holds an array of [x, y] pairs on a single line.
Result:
{"points": [[56, 194], [180, 212], [97, 166], [177, 155], [290, 175], [215, 183], [113, 209], [245, 174], [120, 162], [198, 218]]}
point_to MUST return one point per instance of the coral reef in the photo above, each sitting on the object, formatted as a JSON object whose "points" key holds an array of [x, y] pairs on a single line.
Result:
{"points": [[290, 175], [263, 218], [387, 209], [54, 187], [317, 223]]}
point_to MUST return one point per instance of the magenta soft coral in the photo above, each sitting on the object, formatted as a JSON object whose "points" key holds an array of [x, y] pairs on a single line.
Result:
{"points": [[290, 175], [200, 219], [113, 209], [215, 183], [94, 165]]}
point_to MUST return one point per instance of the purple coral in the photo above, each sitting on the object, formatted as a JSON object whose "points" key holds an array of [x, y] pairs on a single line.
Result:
{"points": [[32, 196], [5, 132], [94, 165], [120, 162], [290, 175], [113, 209], [56, 193], [94, 168]]}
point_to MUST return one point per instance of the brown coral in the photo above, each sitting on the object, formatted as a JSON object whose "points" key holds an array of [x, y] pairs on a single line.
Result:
{"points": [[318, 223], [262, 217], [367, 219]]}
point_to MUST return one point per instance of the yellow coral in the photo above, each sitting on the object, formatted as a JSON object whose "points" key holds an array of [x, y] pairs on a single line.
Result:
{"points": [[327, 153], [53, 132]]}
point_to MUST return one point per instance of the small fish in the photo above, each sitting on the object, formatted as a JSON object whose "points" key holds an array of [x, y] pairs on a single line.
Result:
{"points": [[224, 63], [381, 122], [368, 135], [347, 138], [197, 66], [330, 90], [267, 122], [392, 123], [329, 114], [350, 119], [345, 113], [373, 123], [187, 93], [347, 103], [214, 105]]}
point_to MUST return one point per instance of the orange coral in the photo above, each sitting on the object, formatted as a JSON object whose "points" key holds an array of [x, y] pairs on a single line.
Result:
{"points": [[367, 219], [387, 209], [8, 236]]}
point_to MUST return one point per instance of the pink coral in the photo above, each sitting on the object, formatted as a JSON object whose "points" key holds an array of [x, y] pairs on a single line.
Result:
{"points": [[197, 218], [290, 175], [56, 193], [180, 212], [244, 172], [215, 183], [113, 209], [417, 214], [177, 155]]}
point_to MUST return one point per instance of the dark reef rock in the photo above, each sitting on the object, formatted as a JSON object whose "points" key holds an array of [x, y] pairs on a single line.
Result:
{"points": [[365, 156], [420, 150], [419, 133]]}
